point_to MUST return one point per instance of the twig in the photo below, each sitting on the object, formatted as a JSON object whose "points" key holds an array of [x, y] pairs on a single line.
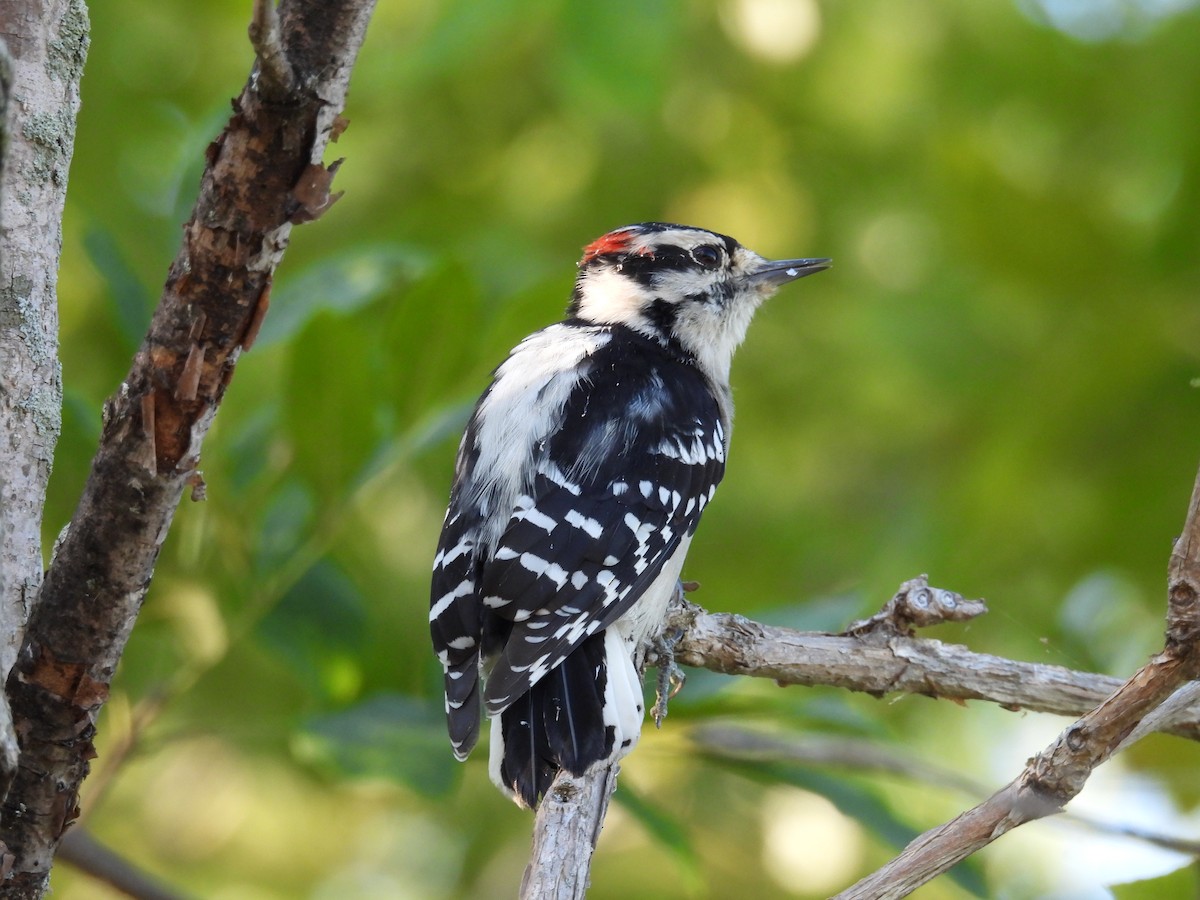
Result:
{"points": [[918, 605], [90, 856], [276, 77], [732, 742], [741, 744]]}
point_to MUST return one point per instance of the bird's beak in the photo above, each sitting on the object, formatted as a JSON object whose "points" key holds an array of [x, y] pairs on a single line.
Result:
{"points": [[774, 272]]}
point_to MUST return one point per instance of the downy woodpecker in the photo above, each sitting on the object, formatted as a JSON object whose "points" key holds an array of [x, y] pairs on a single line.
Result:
{"points": [[578, 485]]}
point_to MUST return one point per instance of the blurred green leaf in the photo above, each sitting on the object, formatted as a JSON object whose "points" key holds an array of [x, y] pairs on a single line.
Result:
{"points": [[342, 283], [387, 737], [249, 449], [1183, 882], [648, 33], [431, 340], [287, 520], [669, 832], [131, 302], [333, 401], [319, 628], [463, 32], [72, 462], [1104, 615]]}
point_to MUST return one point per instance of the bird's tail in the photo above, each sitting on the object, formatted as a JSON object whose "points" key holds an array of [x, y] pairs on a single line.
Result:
{"points": [[587, 710]]}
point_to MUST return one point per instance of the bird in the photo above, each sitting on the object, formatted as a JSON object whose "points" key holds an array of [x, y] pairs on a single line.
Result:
{"points": [[580, 479]]}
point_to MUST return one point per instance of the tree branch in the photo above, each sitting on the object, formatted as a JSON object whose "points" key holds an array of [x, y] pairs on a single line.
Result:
{"points": [[565, 832], [1057, 774], [45, 46], [79, 848], [260, 179], [879, 656], [735, 645]]}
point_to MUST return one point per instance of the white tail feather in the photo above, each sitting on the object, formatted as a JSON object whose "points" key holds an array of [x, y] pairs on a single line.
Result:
{"points": [[624, 706]]}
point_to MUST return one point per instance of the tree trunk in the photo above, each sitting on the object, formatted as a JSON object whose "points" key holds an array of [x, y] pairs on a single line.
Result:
{"points": [[46, 46], [264, 175]]}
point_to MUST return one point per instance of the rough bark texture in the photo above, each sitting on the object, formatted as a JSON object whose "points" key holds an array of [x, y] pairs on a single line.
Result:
{"points": [[883, 664], [46, 45], [264, 173], [565, 833]]}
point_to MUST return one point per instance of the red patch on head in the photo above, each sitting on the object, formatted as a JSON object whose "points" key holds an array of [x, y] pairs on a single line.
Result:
{"points": [[613, 242]]}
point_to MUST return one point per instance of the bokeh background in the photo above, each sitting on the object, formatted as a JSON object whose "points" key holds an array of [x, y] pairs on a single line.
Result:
{"points": [[994, 385]]}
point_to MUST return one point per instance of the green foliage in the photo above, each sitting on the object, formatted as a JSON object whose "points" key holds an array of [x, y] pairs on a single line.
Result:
{"points": [[670, 833], [1180, 883], [386, 736], [993, 385]]}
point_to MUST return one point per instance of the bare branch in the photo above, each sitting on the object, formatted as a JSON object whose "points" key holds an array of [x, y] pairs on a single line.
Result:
{"points": [[154, 425], [565, 833], [735, 645], [877, 656], [88, 855], [1058, 773]]}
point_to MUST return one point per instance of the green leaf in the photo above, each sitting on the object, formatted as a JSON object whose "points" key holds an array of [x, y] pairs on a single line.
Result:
{"points": [[131, 303], [249, 446], [1182, 882], [319, 629], [340, 284], [431, 340], [669, 832], [332, 402], [1105, 614], [389, 737], [648, 34], [286, 522]]}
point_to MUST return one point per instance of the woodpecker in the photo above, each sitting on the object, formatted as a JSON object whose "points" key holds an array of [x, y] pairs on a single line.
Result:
{"points": [[578, 485]]}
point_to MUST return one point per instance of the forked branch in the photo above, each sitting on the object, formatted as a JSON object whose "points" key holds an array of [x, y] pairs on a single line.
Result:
{"points": [[879, 656]]}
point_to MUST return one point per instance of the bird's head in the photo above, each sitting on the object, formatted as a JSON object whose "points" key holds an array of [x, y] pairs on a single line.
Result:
{"points": [[691, 289]]}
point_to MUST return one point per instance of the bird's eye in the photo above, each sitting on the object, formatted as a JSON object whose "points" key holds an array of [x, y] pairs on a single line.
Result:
{"points": [[707, 256]]}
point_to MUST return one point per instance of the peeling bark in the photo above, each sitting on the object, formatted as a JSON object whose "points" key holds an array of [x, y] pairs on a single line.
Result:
{"points": [[155, 423]]}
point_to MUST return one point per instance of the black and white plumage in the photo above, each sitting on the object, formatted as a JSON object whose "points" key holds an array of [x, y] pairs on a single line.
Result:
{"points": [[579, 483]]}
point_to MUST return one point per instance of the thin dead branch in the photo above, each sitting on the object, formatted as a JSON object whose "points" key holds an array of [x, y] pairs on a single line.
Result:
{"points": [[734, 645], [1057, 774], [88, 855], [879, 655]]}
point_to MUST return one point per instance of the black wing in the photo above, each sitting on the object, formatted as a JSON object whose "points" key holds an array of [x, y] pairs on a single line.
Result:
{"points": [[616, 489], [455, 623]]}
